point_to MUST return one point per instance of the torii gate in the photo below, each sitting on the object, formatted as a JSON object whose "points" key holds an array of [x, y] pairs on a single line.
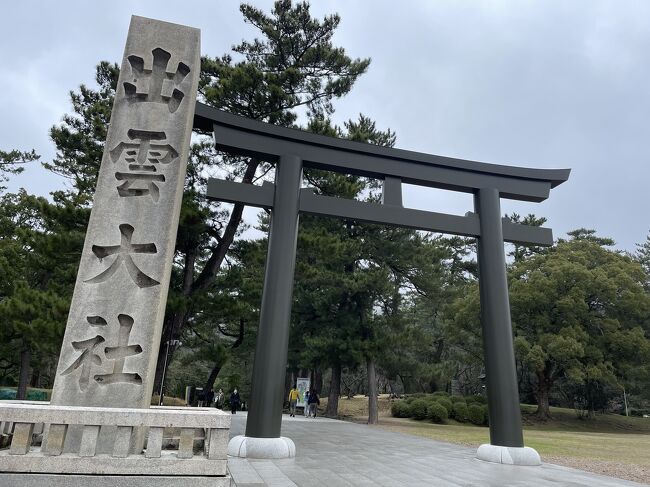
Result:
{"points": [[292, 150]]}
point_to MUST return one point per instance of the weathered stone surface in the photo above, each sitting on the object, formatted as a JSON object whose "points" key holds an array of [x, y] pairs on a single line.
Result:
{"points": [[154, 443], [122, 443], [217, 443], [22, 438], [109, 351], [167, 464], [191, 422], [243, 473], [6, 427], [186, 443], [89, 441], [54, 438], [53, 480], [154, 416]]}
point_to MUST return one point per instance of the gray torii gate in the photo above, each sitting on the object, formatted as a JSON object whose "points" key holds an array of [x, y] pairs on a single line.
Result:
{"points": [[292, 150]]}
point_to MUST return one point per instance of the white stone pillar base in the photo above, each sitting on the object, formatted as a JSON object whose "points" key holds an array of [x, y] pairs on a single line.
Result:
{"points": [[508, 455], [251, 447]]}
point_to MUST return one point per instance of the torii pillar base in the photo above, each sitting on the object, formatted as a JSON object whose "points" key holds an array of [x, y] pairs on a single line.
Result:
{"points": [[508, 455], [263, 448]]}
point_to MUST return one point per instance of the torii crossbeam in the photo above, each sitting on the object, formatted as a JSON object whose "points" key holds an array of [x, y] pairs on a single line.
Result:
{"points": [[294, 149]]}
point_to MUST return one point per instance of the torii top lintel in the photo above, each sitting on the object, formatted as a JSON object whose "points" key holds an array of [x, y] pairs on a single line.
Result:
{"points": [[238, 135], [248, 137]]}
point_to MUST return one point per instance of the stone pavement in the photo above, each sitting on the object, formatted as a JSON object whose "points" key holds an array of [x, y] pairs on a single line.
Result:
{"points": [[336, 453]]}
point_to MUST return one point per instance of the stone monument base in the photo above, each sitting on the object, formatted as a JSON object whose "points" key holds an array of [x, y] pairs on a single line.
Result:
{"points": [[198, 458], [266, 448], [508, 455], [58, 480]]}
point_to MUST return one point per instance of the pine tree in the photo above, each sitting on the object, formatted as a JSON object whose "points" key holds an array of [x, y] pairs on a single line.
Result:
{"points": [[39, 253], [642, 255], [13, 162], [294, 64]]}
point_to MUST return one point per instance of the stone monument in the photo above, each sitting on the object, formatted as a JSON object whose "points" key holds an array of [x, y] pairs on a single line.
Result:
{"points": [[111, 342], [99, 413]]}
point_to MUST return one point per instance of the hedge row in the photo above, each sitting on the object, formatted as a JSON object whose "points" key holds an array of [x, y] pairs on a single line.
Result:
{"points": [[438, 407]]}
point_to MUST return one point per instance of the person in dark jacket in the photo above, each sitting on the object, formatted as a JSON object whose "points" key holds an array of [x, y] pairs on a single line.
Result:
{"points": [[235, 401], [312, 402], [219, 399], [209, 397]]}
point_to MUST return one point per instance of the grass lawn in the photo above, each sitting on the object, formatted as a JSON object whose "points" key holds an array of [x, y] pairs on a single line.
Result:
{"points": [[610, 438]]}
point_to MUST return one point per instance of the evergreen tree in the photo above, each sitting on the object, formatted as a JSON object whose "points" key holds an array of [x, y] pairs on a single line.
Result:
{"points": [[13, 162], [335, 290], [38, 260], [520, 251], [294, 64], [80, 138], [581, 315], [642, 256]]}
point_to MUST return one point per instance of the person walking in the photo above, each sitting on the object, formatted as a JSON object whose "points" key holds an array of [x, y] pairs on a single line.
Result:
{"points": [[235, 401], [209, 398], [218, 399], [293, 400], [312, 402], [200, 397]]}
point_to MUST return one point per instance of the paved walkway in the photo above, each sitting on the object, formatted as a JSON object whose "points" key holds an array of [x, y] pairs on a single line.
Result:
{"points": [[336, 453]]}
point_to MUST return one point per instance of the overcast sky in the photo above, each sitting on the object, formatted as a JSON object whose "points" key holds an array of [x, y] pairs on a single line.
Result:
{"points": [[549, 84]]}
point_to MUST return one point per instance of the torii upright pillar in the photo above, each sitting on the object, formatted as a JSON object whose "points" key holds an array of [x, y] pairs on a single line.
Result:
{"points": [[262, 439], [506, 435]]}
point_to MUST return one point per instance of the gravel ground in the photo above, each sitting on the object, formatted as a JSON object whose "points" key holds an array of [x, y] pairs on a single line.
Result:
{"points": [[626, 471]]}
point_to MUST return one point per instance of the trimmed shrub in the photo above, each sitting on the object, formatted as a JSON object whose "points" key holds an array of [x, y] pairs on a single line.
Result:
{"points": [[440, 394], [400, 409], [456, 399], [437, 413], [476, 414], [640, 412], [460, 412], [412, 397], [486, 416], [418, 409], [476, 400], [445, 402]]}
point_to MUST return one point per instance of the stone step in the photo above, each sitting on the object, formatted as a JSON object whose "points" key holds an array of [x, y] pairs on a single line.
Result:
{"points": [[243, 474]]}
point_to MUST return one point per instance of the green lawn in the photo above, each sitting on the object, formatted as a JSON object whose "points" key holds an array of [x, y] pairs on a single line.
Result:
{"points": [[623, 447], [610, 437]]}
